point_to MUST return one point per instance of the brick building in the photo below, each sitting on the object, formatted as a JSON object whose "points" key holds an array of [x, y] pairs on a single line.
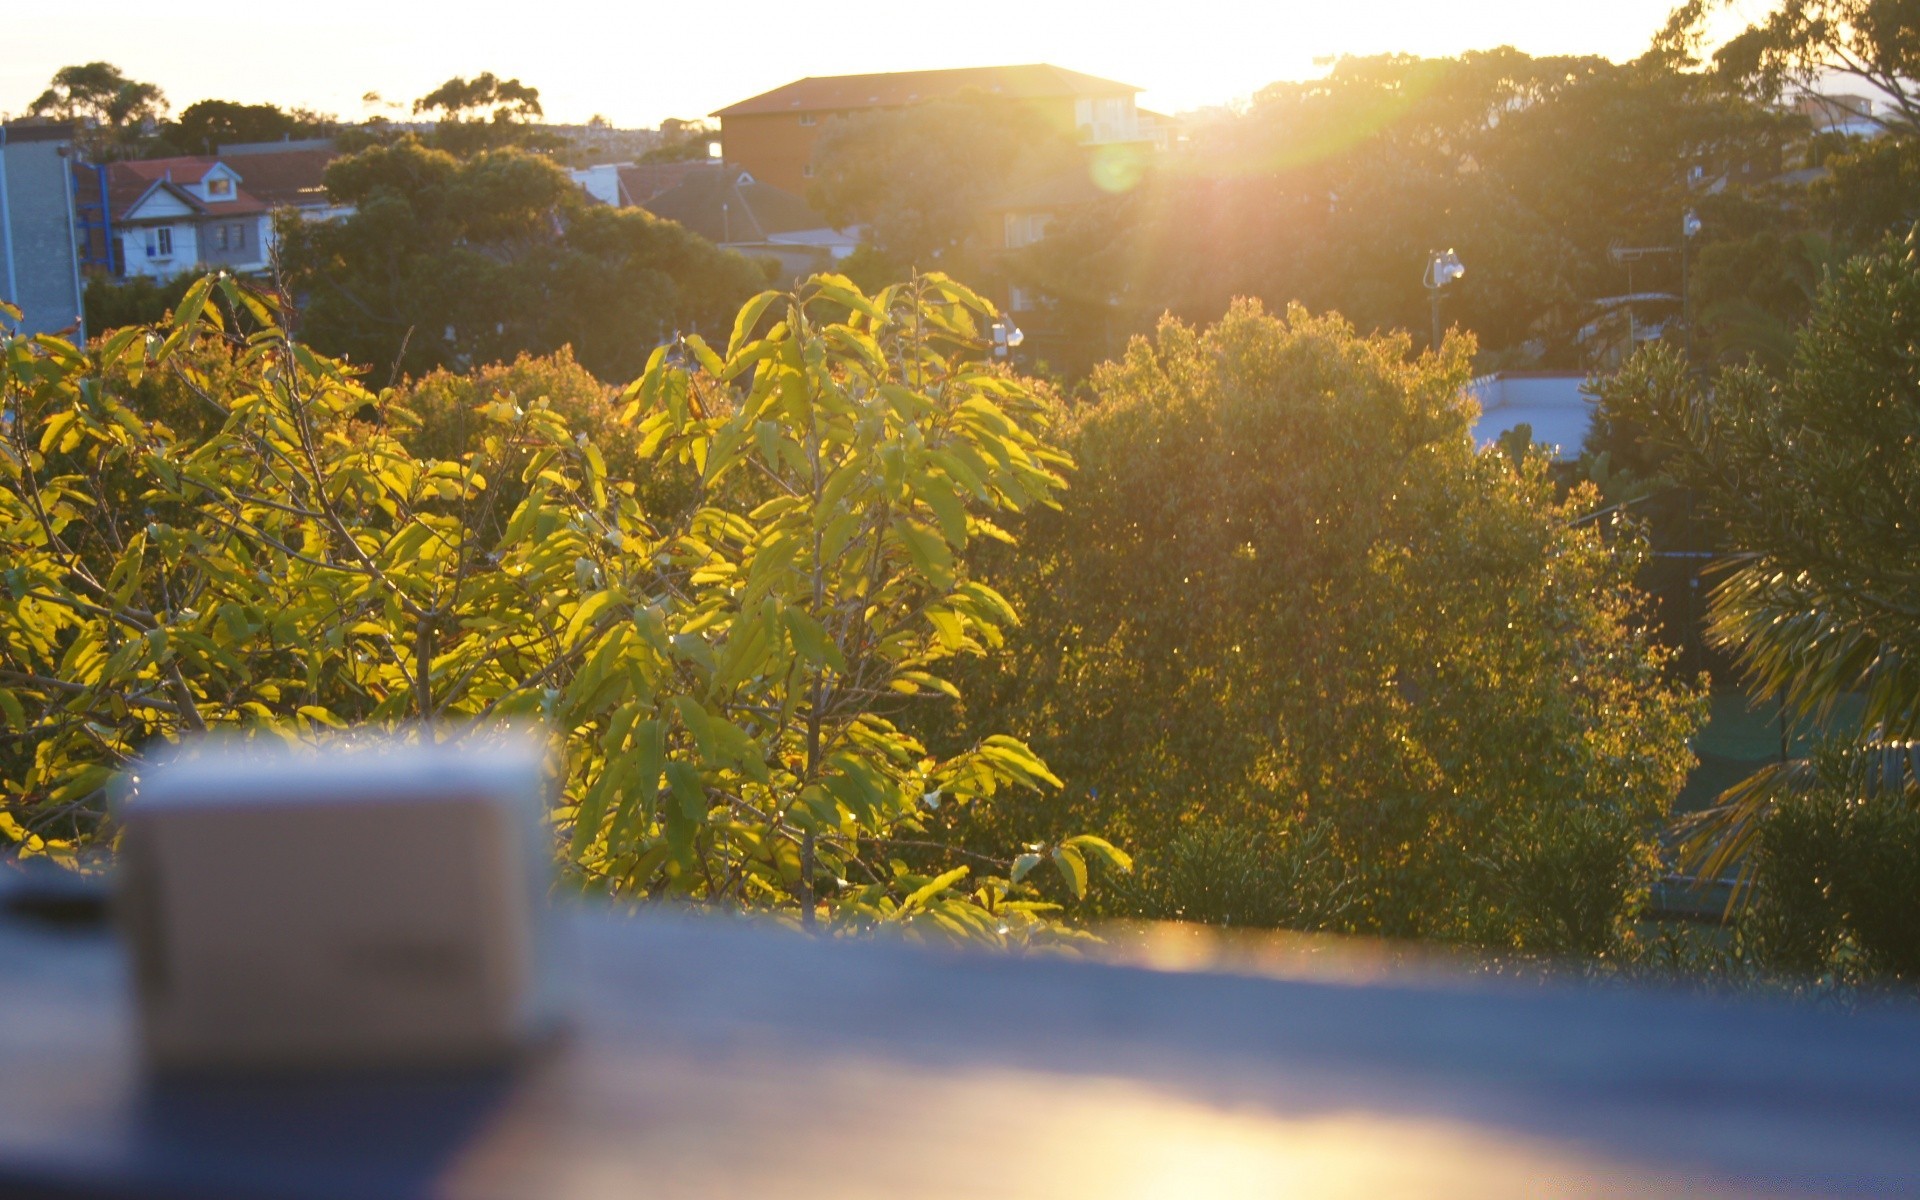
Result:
{"points": [[773, 135]]}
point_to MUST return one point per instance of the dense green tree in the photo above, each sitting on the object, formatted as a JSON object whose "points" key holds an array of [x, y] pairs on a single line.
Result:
{"points": [[205, 125], [721, 681], [453, 262], [1285, 596], [1813, 478]]}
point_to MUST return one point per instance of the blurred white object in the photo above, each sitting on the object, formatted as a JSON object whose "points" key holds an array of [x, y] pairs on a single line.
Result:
{"points": [[368, 905]]}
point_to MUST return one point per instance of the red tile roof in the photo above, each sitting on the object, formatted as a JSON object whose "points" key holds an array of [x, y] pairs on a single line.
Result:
{"points": [[895, 88], [267, 180]]}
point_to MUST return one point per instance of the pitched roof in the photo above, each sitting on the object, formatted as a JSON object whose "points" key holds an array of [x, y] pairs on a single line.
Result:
{"points": [[642, 183], [895, 88], [693, 195], [269, 180], [284, 176]]}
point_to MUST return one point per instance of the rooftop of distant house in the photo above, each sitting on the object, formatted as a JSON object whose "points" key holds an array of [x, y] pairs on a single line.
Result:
{"points": [[1031, 81], [719, 201], [269, 177]]}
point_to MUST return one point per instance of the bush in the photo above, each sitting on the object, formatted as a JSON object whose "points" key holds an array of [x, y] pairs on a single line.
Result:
{"points": [[1838, 886], [1281, 877]]}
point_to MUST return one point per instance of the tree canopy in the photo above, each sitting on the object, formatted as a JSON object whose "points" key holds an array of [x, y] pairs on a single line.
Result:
{"points": [[450, 262], [1287, 599], [205, 125], [1333, 192]]}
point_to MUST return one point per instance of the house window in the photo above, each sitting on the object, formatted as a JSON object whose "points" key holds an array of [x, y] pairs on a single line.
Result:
{"points": [[808, 118], [220, 237], [219, 185], [160, 242]]}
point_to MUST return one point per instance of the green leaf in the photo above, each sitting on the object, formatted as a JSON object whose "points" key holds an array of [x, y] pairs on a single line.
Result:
{"points": [[750, 314], [709, 361], [933, 887], [684, 780], [1072, 868], [1102, 849], [1024, 864]]}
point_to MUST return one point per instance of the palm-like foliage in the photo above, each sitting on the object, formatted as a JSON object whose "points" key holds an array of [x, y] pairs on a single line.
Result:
{"points": [[1815, 476]]}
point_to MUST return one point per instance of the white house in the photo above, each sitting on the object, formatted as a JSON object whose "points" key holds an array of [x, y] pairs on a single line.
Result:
{"points": [[173, 215]]}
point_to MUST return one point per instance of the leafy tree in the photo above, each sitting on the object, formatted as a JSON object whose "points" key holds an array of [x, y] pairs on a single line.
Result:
{"points": [[682, 141], [98, 97], [205, 125], [1871, 191], [1288, 598], [483, 113], [1812, 477], [723, 682], [1332, 192], [448, 262], [923, 179], [1805, 43]]}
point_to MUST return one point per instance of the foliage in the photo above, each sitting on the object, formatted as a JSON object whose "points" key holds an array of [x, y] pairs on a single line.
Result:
{"points": [[1332, 192], [483, 113], [1221, 873], [1804, 44], [1872, 190], [1842, 883], [205, 125], [142, 300], [99, 95], [451, 262], [1812, 476], [923, 179], [1286, 594], [682, 141], [722, 682]]}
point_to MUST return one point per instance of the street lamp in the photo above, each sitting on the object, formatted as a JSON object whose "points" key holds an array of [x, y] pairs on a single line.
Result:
{"points": [[1007, 338], [1442, 269], [1689, 229]]}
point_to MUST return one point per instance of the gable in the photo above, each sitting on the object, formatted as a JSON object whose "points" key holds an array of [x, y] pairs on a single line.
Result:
{"points": [[159, 204]]}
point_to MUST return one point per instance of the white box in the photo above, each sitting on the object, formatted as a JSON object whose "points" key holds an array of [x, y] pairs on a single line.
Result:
{"points": [[372, 905]]}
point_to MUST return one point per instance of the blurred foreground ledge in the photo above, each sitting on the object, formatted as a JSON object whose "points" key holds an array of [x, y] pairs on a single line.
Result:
{"points": [[712, 1057]]}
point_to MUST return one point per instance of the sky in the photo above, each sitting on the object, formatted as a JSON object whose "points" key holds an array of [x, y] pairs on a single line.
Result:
{"points": [[638, 62]]}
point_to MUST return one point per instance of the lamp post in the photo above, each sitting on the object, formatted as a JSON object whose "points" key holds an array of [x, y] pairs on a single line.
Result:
{"points": [[1006, 338], [1689, 229], [1442, 269]]}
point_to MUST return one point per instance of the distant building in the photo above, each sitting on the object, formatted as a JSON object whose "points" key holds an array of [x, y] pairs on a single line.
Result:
{"points": [[39, 243], [728, 206], [167, 216], [1554, 405], [1844, 114], [773, 135]]}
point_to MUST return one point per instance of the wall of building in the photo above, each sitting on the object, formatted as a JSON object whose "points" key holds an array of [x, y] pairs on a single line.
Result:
{"points": [[38, 271], [145, 251], [247, 242], [775, 148]]}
